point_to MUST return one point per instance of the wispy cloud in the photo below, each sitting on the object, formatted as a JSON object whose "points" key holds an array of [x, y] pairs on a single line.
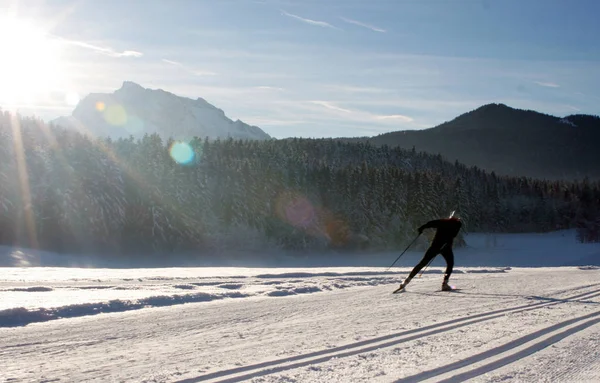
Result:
{"points": [[172, 62], [330, 106], [129, 54], [356, 89], [361, 115], [573, 108], [356, 22], [399, 117], [103, 50], [309, 21], [270, 88], [261, 121], [547, 84], [195, 72]]}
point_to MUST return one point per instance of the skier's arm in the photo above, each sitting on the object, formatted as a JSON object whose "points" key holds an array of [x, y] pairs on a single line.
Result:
{"points": [[431, 224]]}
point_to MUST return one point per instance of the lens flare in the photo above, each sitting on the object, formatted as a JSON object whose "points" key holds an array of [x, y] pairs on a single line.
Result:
{"points": [[295, 210], [115, 115], [100, 106], [337, 230], [182, 153]]}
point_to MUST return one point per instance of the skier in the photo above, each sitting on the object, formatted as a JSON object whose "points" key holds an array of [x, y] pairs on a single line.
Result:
{"points": [[447, 229]]}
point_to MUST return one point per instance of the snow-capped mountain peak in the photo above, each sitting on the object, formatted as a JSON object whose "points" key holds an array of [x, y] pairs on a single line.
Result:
{"points": [[135, 110]]}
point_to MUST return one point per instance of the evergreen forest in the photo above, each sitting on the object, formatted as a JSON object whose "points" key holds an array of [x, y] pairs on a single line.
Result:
{"points": [[64, 191]]}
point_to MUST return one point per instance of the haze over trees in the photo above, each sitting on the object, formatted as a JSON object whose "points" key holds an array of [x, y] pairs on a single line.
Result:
{"points": [[63, 191]]}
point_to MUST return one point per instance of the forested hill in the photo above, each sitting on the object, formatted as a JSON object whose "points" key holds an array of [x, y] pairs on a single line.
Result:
{"points": [[513, 142], [62, 191]]}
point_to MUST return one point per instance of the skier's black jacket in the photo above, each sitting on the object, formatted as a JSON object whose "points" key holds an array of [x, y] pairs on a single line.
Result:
{"points": [[447, 229]]}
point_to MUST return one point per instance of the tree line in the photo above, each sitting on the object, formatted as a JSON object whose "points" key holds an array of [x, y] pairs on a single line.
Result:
{"points": [[63, 191]]}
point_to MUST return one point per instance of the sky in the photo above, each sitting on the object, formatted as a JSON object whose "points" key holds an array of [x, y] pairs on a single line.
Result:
{"points": [[328, 68]]}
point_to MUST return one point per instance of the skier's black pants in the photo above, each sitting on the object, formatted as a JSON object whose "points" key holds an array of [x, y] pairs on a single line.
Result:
{"points": [[445, 250]]}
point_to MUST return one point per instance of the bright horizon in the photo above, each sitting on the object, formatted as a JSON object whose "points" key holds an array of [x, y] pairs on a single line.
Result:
{"points": [[307, 68]]}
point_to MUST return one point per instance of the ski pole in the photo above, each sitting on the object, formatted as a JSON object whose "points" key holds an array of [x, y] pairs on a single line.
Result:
{"points": [[425, 268], [413, 241]]}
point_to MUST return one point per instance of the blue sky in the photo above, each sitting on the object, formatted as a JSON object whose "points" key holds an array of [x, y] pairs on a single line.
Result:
{"points": [[327, 68]]}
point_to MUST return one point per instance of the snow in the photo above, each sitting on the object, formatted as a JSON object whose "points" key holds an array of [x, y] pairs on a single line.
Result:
{"points": [[527, 308], [567, 122]]}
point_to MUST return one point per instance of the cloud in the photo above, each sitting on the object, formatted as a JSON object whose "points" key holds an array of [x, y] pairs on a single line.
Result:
{"points": [[261, 121], [270, 88], [330, 106], [573, 108], [195, 72], [172, 62], [309, 21], [355, 22], [361, 115], [394, 117], [130, 54], [104, 50], [357, 89], [547, 84], [420, 103]]}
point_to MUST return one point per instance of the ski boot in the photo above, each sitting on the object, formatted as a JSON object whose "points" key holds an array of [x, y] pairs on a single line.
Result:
{"points": [[446, 286]]}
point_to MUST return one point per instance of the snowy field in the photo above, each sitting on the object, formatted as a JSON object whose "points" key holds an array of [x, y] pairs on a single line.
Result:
{"points": [[527, 310]]}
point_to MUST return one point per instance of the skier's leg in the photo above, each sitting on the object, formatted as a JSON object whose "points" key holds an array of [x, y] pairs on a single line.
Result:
{"points": [[449, 258], [429, 255]]}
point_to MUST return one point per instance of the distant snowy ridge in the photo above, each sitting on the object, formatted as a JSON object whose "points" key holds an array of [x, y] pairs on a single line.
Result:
{"points": [[134, 111]]}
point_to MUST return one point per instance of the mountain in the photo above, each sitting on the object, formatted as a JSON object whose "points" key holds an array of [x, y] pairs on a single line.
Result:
{"points": [[134, 110], [509, 141]]}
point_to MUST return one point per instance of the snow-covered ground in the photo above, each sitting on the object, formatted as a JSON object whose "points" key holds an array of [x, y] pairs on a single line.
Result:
{"points": [[511, 320]]}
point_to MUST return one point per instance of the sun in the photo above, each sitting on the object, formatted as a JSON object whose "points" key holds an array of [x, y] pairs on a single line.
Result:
{"points": [[30, 67]]}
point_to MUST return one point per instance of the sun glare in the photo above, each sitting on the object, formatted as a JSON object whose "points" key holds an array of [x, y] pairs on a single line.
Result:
{"points": [[30, 67]]}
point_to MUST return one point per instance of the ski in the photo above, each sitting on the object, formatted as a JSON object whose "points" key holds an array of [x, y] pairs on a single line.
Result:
{"points": [[452, 288], [398, 290]]}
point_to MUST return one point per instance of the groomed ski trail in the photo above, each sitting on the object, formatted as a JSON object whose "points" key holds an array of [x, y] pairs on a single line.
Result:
{"points": [[360, 334], [405, 336]]}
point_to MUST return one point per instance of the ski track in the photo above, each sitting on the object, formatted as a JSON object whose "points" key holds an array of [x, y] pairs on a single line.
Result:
{"points": [[573, 359], [373, 344], [305, 337], [542, 343]]}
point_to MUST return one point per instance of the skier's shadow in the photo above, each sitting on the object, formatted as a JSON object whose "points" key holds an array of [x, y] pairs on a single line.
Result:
{"points": [[537, 298]]}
